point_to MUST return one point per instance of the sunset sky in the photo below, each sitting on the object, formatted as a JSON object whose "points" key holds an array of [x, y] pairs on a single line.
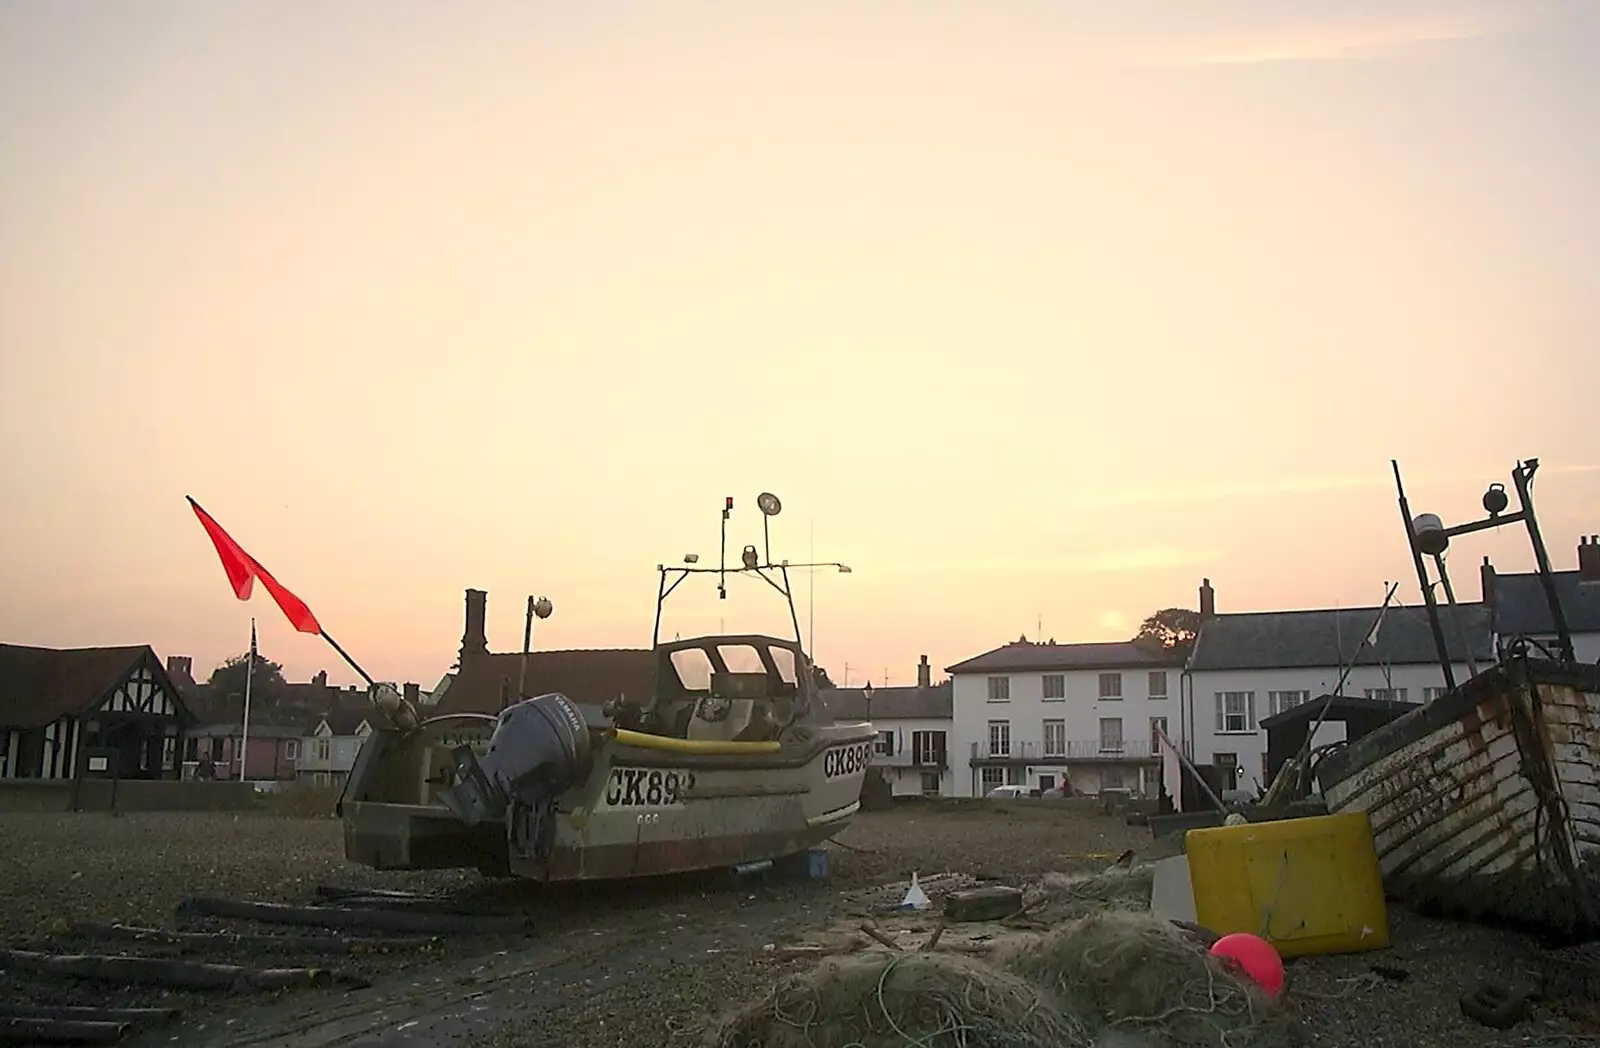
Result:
{"points": [[1029, 310]]}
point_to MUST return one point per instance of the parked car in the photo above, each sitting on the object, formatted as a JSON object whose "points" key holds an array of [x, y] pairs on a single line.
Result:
{"points": [[1007, 792]]}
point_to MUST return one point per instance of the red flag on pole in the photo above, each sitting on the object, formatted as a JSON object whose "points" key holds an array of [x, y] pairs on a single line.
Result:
{"points": [[243, 570]]}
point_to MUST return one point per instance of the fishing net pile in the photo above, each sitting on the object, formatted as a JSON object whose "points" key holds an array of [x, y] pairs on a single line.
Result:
{"points": [[1134, 979], [1060, 897], [896, 1000], [1117, 978]]}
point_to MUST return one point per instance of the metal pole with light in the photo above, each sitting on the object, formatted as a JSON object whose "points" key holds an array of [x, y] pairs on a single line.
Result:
{"points": [[537, 606]]}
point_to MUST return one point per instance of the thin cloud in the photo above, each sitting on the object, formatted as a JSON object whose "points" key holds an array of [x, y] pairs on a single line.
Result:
{"points": [[1152, 558], [1330, 44], [1312, 485]]}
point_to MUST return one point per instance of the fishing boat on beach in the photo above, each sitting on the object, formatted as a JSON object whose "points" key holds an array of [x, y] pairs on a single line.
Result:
{"points": [[731, 759], [1485, 801]]}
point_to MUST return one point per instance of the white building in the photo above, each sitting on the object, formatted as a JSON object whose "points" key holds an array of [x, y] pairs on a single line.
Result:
{"points": [[1041, 714], [913, 725], [1248, 666]]}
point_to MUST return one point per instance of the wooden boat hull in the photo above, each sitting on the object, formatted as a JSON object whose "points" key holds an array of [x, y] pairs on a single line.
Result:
{"points": [[1486, 801]]}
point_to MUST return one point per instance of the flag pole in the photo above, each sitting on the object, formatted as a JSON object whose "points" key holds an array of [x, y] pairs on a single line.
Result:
{"points": [[249, 672], [346, 656]]}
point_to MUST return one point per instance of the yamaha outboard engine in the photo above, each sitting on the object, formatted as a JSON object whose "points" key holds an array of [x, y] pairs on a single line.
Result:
{"points": [[539, 749]]}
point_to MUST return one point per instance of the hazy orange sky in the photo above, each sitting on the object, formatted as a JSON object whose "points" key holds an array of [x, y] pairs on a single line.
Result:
{"points": [[1029, 309]]}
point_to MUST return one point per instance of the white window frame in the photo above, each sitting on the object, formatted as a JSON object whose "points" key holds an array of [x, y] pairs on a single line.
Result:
{"points": [[291, 749], [1154, 676], [1055, 738], [1053, 682], [324, 749], [1155, 744], [883, 745], [999, 738], [1114, 679], [1387, 694], [1429, 694], [999, 689], [1119, 744], [1246, 701], [1281, 701]]}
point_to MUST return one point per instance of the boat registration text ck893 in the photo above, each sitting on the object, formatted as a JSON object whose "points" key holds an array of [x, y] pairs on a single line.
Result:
{"points": [[846, 760], [647, 787]]}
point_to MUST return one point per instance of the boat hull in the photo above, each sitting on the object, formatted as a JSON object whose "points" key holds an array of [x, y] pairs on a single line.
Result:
{"points": [[1486, 801], [639, 812]]}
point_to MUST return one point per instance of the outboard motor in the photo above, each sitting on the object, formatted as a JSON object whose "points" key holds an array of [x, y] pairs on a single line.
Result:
{"points": [[540, 749]]}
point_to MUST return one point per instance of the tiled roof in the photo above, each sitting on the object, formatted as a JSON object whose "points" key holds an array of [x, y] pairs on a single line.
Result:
{"points": [[1023, 657], [911, 703], [590, 675], [1520, 606], [39, 685], [1329, 637]]}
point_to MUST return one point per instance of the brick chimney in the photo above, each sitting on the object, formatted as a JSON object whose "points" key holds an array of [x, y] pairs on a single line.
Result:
{"points": [[180, 666], [474, 641], [924, 673], [1589, 559], [1208, 599], [1486, 576], [321, 679]]}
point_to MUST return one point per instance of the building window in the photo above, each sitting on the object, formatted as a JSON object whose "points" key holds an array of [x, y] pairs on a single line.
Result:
{"points": [[992, 777], [1111, 777], [1055, 686], [1387, 694], [927, 747], [1158, 684], [1055, 738], [1236, 711], [999, 689], [169, 752], [999, 738], [291, 749], [1110, 686], [1429, 694], [1158, 726], [884, 747], [1279, 701], [1111, 734], [324, 749], [930, 782], [1047, 783]]}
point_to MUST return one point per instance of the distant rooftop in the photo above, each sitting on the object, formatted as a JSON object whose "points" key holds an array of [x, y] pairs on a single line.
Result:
{"points": [[909, 703], [1331, 636], [1023, 656]]}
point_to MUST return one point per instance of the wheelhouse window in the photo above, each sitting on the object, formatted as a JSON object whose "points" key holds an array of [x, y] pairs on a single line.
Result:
{"points": [[693, 667]]}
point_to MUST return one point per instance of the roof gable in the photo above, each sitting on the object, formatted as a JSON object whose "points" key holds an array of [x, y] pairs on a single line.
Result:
{"points": [[41, 685], [1330, 637], [589, 675], [1025, 656], [910, 703], [1520, 606]]}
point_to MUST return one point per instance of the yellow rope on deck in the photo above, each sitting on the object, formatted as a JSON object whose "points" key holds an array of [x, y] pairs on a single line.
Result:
{"points": [[708, 746]]}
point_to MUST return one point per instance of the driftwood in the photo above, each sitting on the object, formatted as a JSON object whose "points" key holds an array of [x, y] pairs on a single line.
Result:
{"points": [[132, 1016], [59, 1031], [338, 917], [184, 975], [339, 891], [230, 940]]}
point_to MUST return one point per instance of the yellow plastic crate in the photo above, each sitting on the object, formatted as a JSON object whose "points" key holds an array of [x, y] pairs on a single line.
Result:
{"points": [[1305, 885]]}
